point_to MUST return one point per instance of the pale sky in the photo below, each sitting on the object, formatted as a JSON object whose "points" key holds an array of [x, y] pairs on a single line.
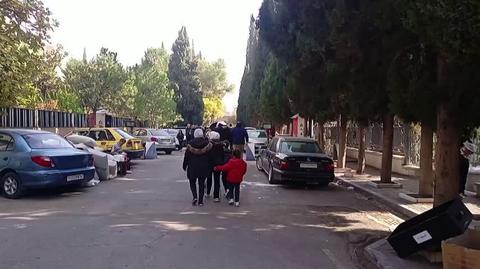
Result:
{"points": [[219, 29]]}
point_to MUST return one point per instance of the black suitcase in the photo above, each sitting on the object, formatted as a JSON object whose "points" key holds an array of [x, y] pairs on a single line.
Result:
{"points": [[428, 230]]}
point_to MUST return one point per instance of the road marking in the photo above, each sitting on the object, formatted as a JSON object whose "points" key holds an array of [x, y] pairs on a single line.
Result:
{"points": [[333, 259]]}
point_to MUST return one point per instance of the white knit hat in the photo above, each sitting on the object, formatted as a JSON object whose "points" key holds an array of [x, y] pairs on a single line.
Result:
{"points": [[470, 146], [214, 136], [198, 133]]}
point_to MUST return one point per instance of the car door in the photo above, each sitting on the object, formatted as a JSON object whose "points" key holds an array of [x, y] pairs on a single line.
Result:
{"points": [[271, 151], [6, 149]]}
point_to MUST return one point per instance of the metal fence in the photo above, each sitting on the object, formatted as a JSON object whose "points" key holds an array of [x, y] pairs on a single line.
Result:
{"points": [[35, 118]]}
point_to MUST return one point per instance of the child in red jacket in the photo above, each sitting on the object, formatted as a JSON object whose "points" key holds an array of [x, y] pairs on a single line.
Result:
{"points": [[235, 169]]}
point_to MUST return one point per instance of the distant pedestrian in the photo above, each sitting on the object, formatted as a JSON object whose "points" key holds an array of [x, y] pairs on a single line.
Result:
{"points": [[218, 158], [239, 137], [188, 133], [197, 162], [236, 169], [180, 138], [466, 153]]}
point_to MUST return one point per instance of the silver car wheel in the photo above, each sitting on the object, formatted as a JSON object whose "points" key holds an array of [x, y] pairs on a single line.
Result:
{"points": [[10, 186]]}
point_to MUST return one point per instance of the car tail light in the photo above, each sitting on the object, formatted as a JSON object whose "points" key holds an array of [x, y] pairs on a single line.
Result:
{"points": [[154, 139], [129, 143], [43, 161], [330, 167], [283, 165]]}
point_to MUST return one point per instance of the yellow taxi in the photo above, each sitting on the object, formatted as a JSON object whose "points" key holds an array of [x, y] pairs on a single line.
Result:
{"points": [[106, 138]]}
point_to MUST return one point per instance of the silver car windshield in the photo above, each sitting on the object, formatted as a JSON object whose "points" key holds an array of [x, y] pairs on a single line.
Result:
{"points": [[257, 134], [160, 133]]}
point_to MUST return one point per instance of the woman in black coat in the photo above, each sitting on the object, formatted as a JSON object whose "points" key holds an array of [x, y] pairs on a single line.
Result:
{"points": [[198, 164], [218, 158]]}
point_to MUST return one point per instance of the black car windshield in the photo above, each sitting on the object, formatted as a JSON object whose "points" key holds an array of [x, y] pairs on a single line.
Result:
{"points": [[256, 134], [46, 141], [299, 147], [160, 133], [124, 134]]}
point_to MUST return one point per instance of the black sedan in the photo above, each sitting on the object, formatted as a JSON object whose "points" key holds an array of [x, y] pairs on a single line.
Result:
{"points": [[294, 159]]}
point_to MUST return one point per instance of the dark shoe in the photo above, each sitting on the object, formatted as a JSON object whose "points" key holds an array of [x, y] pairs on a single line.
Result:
{"points": [[194, 202]]}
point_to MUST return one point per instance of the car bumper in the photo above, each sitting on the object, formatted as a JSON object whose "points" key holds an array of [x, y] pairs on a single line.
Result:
{"points": [[55, 178], [307, 177], [162, 147], [135, 154]]}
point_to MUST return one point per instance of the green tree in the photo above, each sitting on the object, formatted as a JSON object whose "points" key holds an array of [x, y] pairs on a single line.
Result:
{"points": [[97, 82], [183, 73], [274, 102], [248, 110], [213, 109], [213, 78], [154, 99], [451, 29], [24, 32]]}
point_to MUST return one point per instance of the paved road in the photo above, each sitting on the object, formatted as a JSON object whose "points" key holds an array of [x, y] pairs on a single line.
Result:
{"points": [[146, 221]]}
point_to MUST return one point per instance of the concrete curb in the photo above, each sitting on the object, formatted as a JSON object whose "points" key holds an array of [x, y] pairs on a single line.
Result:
{"points": [[389, 202]]}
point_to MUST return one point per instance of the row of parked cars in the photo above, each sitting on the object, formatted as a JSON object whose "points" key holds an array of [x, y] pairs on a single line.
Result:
{"points": [[40, 159]]}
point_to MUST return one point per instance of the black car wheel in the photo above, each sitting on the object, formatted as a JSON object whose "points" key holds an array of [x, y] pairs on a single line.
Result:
{"points": [[12, 186], [271, 176], [168, 152], [259, 164]]}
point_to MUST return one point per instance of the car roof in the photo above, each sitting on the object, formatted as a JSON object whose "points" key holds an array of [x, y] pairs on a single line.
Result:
{"points": [[23, 131], [294, 138], [96, 129]]}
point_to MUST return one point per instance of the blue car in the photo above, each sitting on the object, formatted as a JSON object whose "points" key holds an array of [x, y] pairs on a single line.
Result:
{"points": [[40, 159]]}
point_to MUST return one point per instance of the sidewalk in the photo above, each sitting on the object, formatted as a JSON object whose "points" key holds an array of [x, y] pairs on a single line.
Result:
{"points": [[390, 197], [381, 252]]}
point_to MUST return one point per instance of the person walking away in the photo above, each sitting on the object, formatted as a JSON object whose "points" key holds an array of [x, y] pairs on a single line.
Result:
{"points": [[188, 133], [197, 163], [239, 138], [466, 153], [236, 169], [218, 158], [180, 137]]}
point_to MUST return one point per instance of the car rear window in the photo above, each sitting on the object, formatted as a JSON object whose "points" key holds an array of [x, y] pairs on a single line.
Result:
{"points": [[257, 134], [124, 134], [160, 133], [299, 147], [46, 141]]}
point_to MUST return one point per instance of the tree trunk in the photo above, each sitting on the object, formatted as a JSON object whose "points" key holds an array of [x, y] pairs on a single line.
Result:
{"points": [[447, 173], [342, 147], [361, 149], [321, 135], [387, 155], [426, 156]]}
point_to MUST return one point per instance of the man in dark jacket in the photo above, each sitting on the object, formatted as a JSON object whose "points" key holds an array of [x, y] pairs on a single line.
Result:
{"points": [[239, 137], [198, 164]]}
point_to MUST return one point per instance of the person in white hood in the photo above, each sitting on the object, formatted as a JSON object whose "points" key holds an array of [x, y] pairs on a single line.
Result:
{"points": [[467, 151]]}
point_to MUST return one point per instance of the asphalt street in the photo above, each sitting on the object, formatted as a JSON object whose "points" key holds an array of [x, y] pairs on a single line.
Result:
{"points": [[146, 220]]}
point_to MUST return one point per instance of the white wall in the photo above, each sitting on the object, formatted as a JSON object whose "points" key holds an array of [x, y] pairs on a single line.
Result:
{"points": [[374, 159]]}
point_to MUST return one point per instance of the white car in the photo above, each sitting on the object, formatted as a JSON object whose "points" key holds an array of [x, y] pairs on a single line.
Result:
{"points": [[163, 140], [258, 138]]}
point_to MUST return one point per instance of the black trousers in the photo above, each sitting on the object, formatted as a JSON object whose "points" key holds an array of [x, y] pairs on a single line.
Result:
{"points": [[234, 192], [209, 183], [464, 165], [216, 183], [226, 185], [201, 188]]}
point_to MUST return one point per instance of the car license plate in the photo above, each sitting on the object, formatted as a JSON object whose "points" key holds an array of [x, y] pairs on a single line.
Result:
{"points": [[308, 165], [75, 177]]}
